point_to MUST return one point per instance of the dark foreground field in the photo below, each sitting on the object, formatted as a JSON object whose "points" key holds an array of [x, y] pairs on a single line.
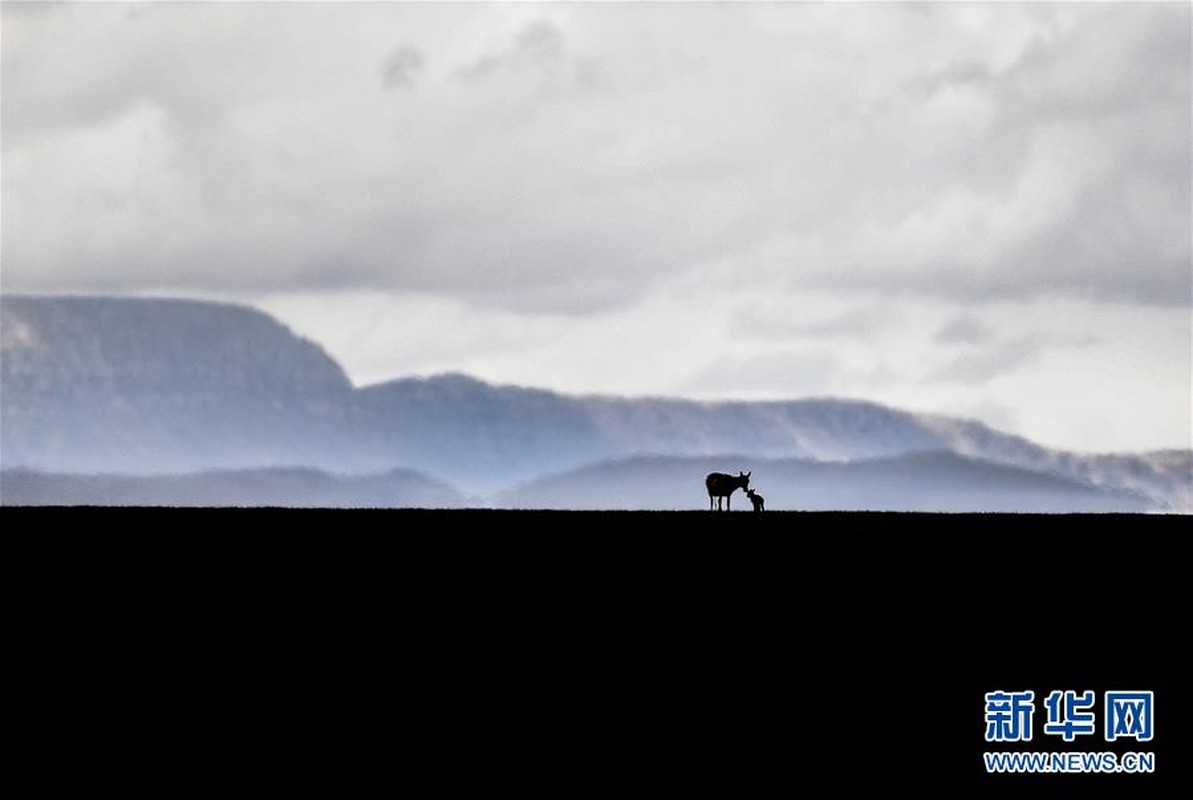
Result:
{"points": [[736, 650], [941, 543]]}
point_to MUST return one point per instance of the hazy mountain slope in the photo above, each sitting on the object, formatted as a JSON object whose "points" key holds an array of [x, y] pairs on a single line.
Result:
{"points": [[825, 429], [482, 437], [487, 438], [265, 487], [920, 482], [1166, 475], [144, 385]]}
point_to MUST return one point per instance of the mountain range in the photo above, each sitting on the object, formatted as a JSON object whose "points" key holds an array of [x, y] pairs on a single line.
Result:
{"points": [[136, 389]]}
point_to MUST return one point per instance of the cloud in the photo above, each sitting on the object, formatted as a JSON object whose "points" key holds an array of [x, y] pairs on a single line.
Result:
{"points": [[539, 45], [980, 351], [573, 162], [401, 67], [980, 366], [964, 329], [776, 374], [797, 321]]}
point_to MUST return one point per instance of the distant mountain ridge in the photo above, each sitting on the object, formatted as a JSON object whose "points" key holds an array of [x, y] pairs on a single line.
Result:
{"points": [[149, 386], [527, 433], [935, 481], [293, 487]]}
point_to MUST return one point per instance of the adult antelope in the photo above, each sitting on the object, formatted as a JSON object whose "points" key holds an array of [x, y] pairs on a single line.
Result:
{"points": [[721, 485]]}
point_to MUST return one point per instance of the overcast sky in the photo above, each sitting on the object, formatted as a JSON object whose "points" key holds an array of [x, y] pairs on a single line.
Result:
{"points": [[974, 209]]}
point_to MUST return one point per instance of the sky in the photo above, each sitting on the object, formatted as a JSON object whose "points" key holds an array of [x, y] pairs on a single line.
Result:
{"points": [[973, 209]]}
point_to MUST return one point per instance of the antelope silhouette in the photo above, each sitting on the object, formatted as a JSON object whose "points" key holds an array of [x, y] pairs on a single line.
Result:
{"points": [[758, 500], [721, 485]]}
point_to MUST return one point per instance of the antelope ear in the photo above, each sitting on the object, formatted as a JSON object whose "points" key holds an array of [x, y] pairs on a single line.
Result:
{"points": [[748, 474]]}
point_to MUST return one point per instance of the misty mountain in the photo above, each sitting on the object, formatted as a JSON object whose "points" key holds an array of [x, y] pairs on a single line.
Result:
{"points": [[487, 438], [289, 487], [939, 481], [494, 436], [152, 386], [147, 385]]}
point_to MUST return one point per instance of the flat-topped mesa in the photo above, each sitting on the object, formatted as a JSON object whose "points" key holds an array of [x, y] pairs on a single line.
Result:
{"points": [[144, 385], [159, 345]]}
